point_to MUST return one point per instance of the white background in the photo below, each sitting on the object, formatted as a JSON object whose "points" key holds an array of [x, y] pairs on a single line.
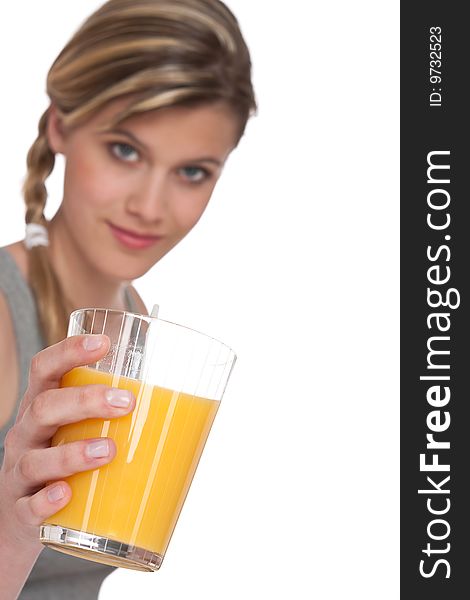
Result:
{"points": [[295, 265]]}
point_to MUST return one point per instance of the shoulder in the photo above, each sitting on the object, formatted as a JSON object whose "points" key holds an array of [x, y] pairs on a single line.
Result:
{"points": [[19, 254]]}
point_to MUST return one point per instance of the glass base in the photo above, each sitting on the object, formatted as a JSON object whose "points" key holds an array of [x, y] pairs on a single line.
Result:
{"points": [[99, 549]]}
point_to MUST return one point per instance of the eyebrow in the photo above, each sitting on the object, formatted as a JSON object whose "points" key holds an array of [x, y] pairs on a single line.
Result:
{"points": [[137, 142]]}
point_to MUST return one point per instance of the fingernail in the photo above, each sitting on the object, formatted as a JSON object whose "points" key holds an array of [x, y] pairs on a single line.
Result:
{"points": [[98, 449], [118, 398], [93, 342], [56, 493]]}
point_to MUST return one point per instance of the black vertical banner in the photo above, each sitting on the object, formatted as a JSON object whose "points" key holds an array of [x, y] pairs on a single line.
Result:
{"points": [[435, 301]]}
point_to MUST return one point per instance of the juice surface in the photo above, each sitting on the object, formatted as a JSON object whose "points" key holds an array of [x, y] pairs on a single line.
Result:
{"points": [[136, 499]]}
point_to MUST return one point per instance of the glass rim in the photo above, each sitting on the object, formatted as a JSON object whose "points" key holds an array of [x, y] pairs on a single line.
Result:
{"points": [[150, 319]]}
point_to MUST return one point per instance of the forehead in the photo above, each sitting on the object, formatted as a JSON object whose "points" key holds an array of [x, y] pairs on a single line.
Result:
{"points": [[207, 126]]}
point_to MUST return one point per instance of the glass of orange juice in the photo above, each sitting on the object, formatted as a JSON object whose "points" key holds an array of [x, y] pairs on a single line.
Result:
{"points": [[124, 513]]}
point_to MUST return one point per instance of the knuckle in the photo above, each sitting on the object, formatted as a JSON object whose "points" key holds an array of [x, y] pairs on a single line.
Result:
{"points": [[11, 439], [36, 364], [85, 395], [36, 514], [38, 407], [68, 459], [90, 397], [19, 509], [73, 344], [25, 467]]}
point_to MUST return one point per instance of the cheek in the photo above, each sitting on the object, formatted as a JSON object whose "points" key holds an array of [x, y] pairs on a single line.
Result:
{"points": [[190, 209], [86, 183]]}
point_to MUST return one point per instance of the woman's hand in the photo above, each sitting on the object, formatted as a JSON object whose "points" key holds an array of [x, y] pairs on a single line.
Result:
{"points": [[29, 461]]}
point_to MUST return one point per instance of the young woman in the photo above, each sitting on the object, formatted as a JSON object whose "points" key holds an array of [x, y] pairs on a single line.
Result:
{"points": [[147, 101]]}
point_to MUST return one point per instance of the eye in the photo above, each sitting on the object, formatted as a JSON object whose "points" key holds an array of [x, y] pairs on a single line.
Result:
{"points": [[124, 152], [194, 174]]}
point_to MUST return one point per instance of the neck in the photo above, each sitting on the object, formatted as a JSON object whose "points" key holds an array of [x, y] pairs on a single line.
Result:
{"points": [[82, 285]]}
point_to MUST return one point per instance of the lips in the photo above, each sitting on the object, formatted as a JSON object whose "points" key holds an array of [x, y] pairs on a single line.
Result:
{"points": [[132, 239]]}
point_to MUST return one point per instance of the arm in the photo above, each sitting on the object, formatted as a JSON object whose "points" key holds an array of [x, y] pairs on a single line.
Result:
{"points": [[9, 375], [29, 461], [15, 561]]}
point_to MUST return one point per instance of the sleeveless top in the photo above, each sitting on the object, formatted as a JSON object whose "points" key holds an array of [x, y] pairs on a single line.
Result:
{"points": [[55, 576]]}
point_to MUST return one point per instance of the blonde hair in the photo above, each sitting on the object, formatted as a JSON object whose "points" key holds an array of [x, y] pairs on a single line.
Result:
{"points": [[163, 53]]}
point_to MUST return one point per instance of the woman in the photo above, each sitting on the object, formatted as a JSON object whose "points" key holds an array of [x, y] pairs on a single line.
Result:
{"points": [[147, 101]]}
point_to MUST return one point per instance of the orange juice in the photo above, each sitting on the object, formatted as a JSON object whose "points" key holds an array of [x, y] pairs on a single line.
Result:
{"points": [[136, 499]]}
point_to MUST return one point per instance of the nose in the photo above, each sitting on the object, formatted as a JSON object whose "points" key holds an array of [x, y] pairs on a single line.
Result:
{"points": [[149, 201]]}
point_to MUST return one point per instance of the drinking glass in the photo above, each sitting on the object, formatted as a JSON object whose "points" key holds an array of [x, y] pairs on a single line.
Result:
{"points": [[124, 513]]}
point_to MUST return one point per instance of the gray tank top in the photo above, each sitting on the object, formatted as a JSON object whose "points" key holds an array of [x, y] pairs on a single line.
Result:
{"points": [[55, 576]]}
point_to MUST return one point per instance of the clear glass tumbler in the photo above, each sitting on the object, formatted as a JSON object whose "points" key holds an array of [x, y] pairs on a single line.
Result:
{"points": [[124, 513]]}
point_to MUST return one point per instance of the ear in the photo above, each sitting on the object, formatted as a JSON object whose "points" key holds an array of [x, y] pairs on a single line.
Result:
{"points": [[55, 131]]}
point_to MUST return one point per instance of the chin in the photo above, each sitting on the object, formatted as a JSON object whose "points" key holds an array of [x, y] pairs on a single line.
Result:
{"points": [[127, 272], [129, 265]]}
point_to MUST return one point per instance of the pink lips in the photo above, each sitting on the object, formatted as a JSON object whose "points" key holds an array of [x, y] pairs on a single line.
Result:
{"points": [[130, 239]]}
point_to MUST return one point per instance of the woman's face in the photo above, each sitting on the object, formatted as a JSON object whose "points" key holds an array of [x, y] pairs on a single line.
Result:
{"points": [[133, 192]]}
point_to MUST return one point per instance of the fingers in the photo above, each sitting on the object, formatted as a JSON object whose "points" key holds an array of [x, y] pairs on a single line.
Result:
{"points": [[34, 510], [49, 365], [36, 467], [56, 407]]}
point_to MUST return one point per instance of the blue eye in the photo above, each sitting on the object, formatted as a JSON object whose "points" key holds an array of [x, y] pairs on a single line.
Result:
{"points": [[124, 152], [194, 174]]}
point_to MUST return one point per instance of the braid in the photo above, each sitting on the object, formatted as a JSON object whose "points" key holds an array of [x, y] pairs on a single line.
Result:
{"points": [[44, 284], [40, 162]]}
